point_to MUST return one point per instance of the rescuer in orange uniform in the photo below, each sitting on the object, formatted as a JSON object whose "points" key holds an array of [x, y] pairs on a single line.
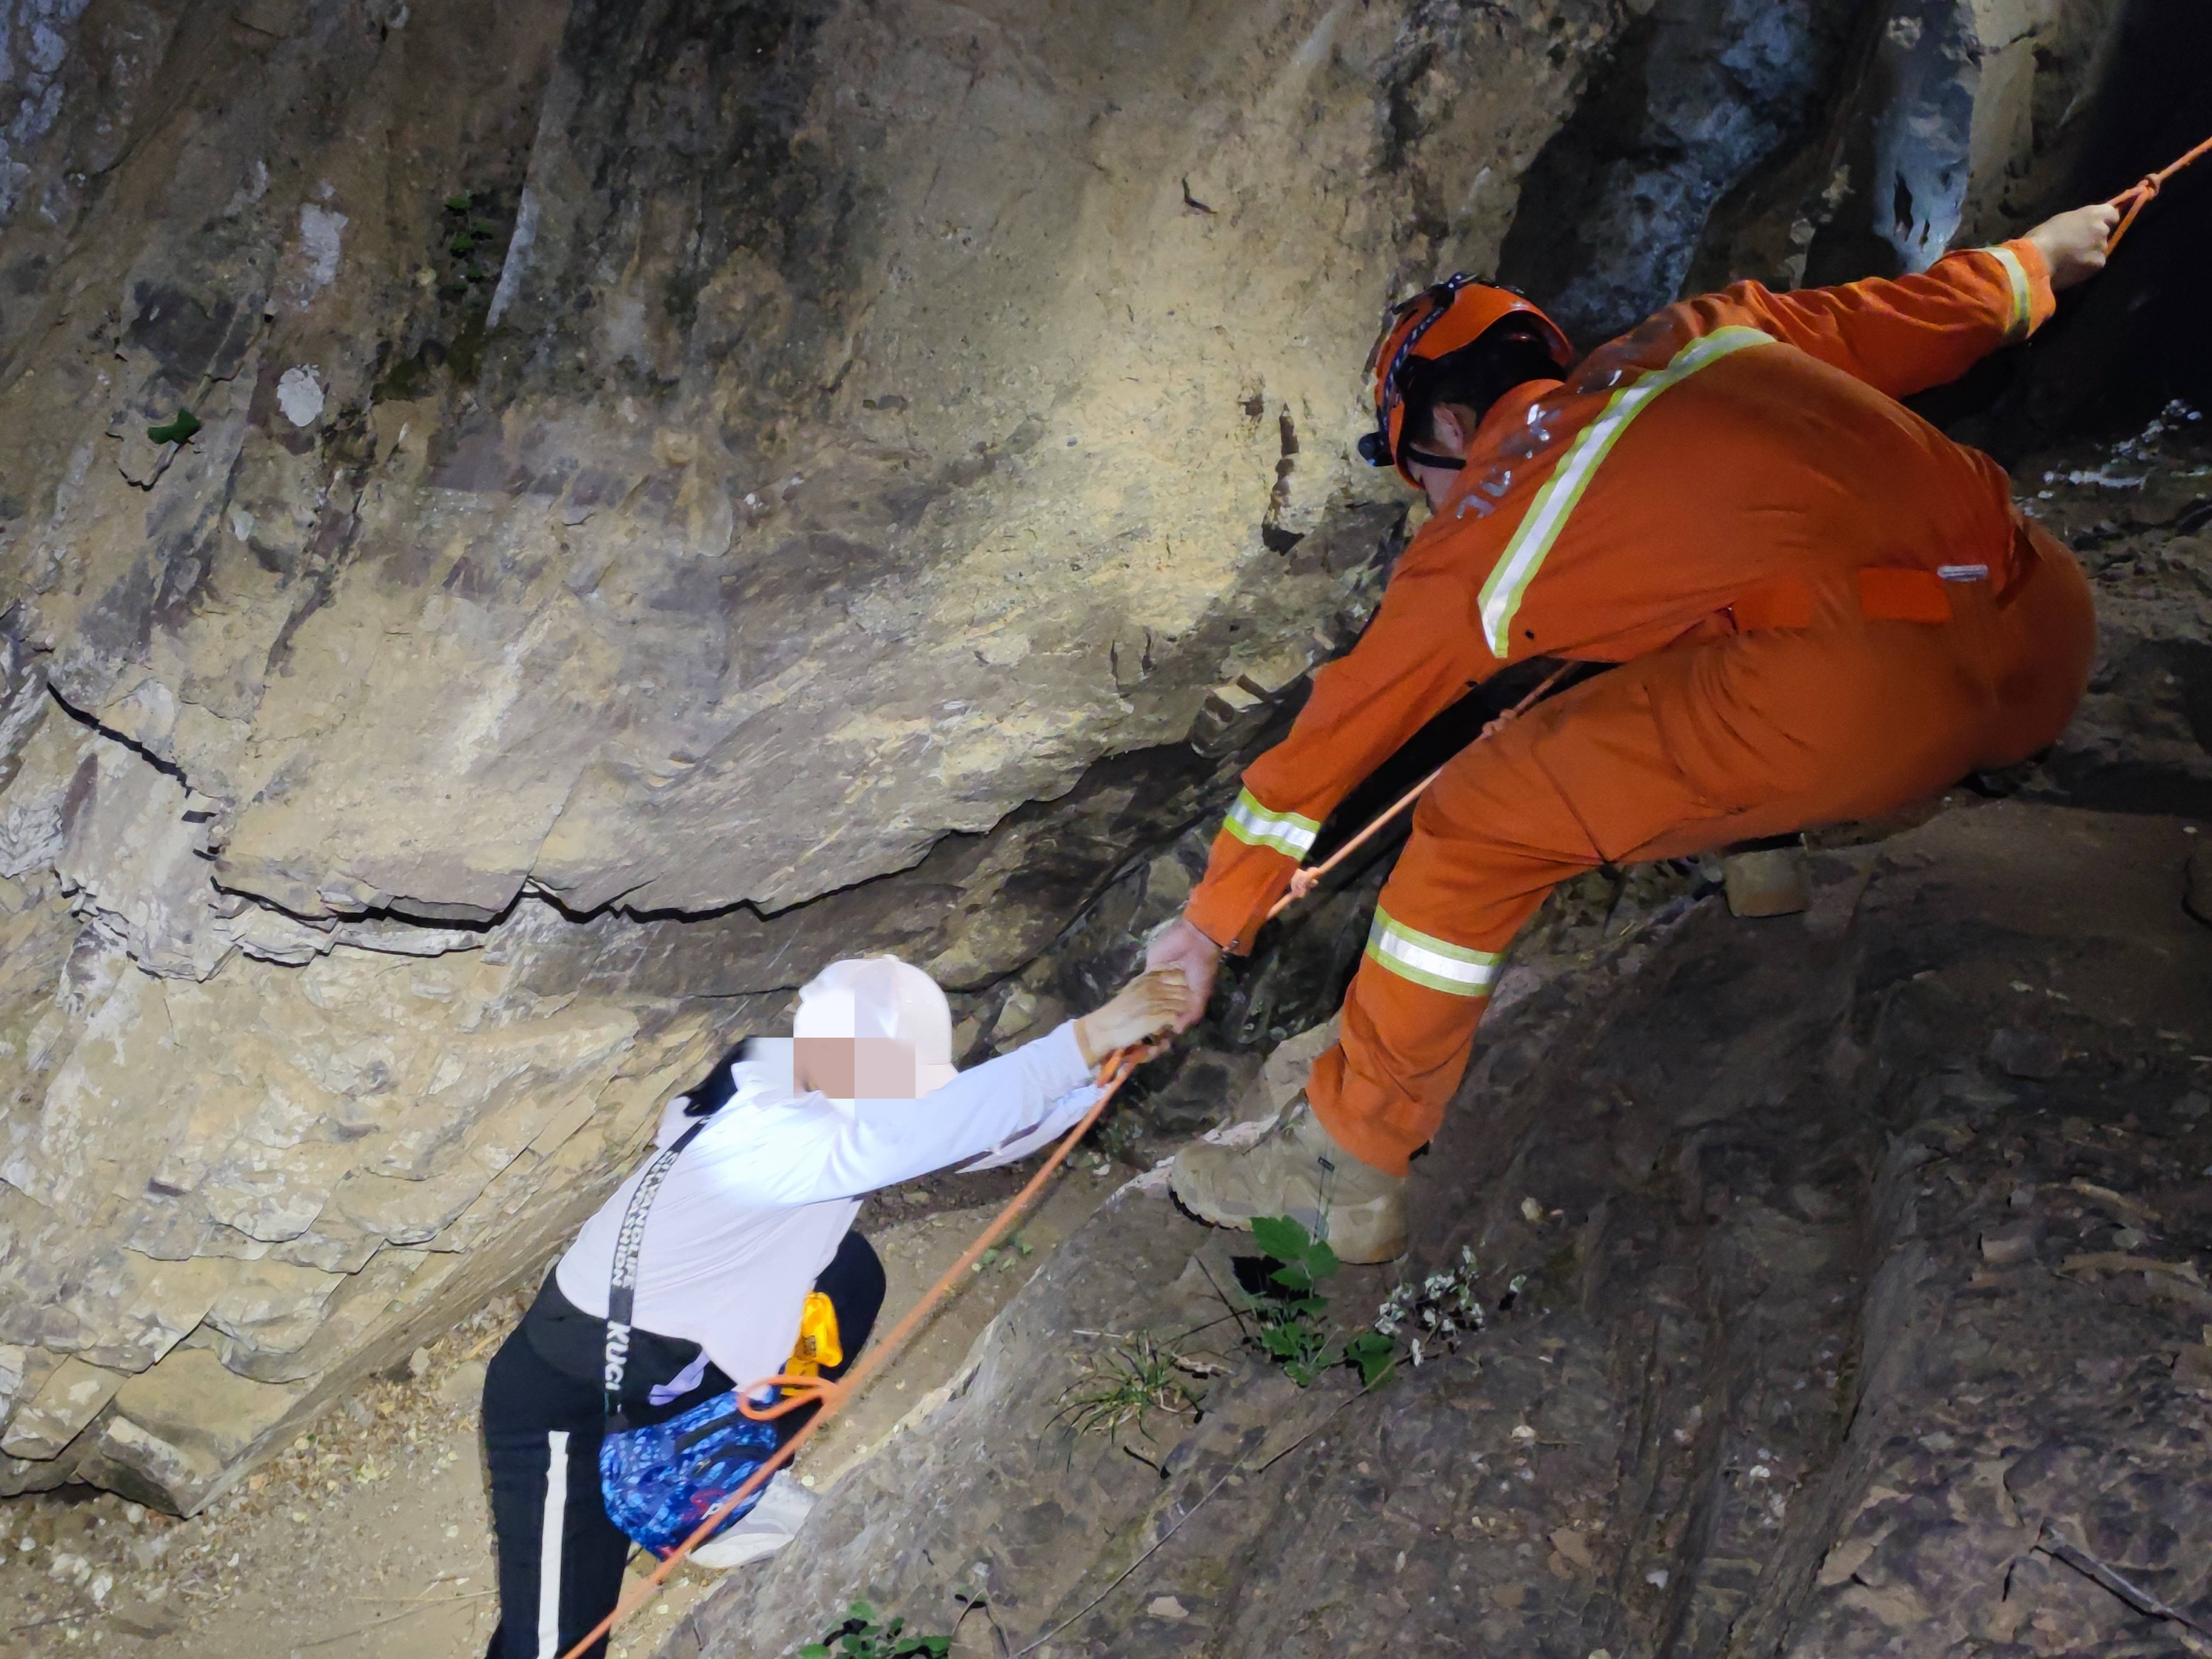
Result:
{"points": [[1821, 607]]}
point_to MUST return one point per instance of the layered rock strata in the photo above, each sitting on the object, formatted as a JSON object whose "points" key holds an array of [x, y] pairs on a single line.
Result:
{"points": [[652, 471]]}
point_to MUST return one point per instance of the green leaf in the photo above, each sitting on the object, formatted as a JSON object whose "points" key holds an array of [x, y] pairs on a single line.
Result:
{"points": [[1321, 1260], [461, 244], [1291, 1278], [176, 431], [1281, 1236], [861, 1611], [1375, 1355], [460, 200], [482, 227], [814, 1651]]}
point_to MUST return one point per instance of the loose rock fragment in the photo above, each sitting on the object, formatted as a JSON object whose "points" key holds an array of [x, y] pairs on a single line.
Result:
{"points": [[2024, 1053]]}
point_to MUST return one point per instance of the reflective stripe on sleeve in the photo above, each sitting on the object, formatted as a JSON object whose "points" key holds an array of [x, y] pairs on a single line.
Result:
{"points": [[1547, 514], [1279, 832], [1427, 960], [2023, 291]]}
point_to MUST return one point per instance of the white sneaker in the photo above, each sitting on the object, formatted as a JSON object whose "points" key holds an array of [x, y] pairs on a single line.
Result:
{"points": [[767, 1528]]}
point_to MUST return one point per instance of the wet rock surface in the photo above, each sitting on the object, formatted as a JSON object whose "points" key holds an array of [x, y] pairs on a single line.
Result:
{"points": [[1833, 1335], [2138, 511]]}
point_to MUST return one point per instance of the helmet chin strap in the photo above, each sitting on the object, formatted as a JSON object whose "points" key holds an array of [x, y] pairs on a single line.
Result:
{"points": [[1443, 463]]}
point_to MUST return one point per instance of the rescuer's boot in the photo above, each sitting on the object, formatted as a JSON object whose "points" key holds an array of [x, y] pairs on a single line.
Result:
{"points": [[1296, 1169]]}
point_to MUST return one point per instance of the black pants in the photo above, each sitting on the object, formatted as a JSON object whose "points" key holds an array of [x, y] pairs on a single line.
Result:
{"points": [[559, 1558]]}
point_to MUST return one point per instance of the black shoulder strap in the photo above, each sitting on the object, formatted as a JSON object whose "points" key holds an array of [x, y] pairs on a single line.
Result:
{"points": [[622, 1289]]}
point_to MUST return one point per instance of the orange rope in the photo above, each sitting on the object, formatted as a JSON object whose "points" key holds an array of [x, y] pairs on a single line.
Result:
{"points": [[1305, 880], [834, 1396], [2138, 195]]}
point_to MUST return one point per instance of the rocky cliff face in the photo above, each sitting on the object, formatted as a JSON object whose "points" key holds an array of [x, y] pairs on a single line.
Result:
{"points": [[672, 495]]}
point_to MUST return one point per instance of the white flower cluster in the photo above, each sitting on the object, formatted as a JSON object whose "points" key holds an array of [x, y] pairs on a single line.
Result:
{"points": [[1442, 1309]]}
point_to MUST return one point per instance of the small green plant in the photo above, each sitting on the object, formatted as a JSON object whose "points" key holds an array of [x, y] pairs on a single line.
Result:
{"points": [[1119, 1136], [1133, 1378], [470, 233], [1292, 1324], [1006, 1256], [860, 1636], [176, 431]]}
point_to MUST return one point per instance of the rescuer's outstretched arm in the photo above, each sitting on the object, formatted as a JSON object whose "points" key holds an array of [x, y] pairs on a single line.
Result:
{"points": [[1906, 334], [1419, 655]]}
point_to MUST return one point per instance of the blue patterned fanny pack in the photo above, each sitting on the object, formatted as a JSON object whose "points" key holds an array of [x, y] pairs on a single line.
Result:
{"points": [[660, 1481]]}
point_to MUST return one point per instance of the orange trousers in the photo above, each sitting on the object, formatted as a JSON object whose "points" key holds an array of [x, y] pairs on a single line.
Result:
{"points": [[1684, 752]]}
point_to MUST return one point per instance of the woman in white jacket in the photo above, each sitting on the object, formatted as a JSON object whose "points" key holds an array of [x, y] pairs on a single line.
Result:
{"points": [[754, 1214]]}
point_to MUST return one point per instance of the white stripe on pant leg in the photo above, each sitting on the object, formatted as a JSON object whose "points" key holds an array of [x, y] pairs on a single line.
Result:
{"points": [[549, 1546]]}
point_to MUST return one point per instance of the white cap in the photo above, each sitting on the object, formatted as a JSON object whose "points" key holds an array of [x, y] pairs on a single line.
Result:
{"points": [[882, 997]]}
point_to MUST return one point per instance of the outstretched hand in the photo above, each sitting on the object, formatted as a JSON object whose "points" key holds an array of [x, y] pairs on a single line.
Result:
{"points": [[1145, 1006], [2074, 245], [1180, 946]]}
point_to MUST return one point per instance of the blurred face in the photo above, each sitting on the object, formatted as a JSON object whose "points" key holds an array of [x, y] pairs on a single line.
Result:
{"points": [[855, 1068]]}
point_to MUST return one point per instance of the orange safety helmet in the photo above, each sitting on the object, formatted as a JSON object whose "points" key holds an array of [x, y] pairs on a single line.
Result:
{"points": [[1436, 322]]}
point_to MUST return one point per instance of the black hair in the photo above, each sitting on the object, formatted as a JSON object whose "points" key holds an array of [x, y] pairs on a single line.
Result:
{"points": [[1511, 351], [707, 1097]]}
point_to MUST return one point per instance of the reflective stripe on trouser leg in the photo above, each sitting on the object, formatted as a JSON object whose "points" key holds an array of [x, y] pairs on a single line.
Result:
{"points": [[548, 1545], [1427, 960], [1489, 838]]}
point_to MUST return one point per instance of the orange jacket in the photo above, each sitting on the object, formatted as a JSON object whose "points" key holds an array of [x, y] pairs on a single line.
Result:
{"points": [[1734, 447]]}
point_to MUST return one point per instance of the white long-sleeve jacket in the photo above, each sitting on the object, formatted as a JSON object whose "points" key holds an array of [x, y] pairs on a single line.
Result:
{"points": [[754, 1207]]}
